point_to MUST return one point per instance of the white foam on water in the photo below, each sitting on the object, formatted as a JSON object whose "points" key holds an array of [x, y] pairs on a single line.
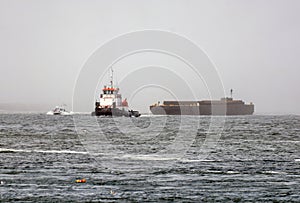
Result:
{"points": [[297, 160], [62, 114], [197, 160], [214, 171], [161, 158], [151, 115], [232, 172], [61, 152], [43, 151], [148, 157], [272, 141], [273, 172]]}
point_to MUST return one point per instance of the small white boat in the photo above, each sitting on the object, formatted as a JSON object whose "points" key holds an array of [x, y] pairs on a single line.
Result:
{"points": [[59, 111]]}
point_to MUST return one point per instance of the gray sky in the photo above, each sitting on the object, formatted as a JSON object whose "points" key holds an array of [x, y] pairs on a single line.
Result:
{"points": [[254, 44]]}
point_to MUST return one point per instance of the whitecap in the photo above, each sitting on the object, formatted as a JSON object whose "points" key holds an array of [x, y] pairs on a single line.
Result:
{"points": [[197, 160], [273, 172], [43, 151]]}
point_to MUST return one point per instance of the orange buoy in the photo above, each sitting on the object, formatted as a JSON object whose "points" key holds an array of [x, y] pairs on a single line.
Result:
{"points": [[81, 180]]}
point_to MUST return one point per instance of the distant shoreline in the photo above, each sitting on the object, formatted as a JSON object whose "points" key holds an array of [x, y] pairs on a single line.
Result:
{"points": [[23, 107], [44, 108]]}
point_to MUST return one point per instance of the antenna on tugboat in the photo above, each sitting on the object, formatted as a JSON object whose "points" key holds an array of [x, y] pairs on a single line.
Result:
{"points": [[111, 77]]}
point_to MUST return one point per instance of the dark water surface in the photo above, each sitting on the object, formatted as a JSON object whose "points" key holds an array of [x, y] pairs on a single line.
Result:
{"points": [[256, 159]]}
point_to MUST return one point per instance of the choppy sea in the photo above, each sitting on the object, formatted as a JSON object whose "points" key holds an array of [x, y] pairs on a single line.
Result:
{"points": [[149, 159]]}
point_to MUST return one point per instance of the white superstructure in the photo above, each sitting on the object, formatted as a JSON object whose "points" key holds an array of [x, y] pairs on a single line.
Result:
{"points": [[110, 97]]}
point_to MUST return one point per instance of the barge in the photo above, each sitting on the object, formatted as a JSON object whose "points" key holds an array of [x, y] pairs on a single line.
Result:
{"points": [[224, 106]]}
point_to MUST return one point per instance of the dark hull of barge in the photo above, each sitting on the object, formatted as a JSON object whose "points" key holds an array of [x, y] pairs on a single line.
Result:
{"points": [[225, 106]]}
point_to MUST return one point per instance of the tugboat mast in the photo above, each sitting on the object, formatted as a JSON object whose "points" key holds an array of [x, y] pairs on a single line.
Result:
{"points": [[111, 77]]}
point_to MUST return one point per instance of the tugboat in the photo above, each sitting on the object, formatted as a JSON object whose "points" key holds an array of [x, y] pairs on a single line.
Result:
{"points": [[111, 103]]}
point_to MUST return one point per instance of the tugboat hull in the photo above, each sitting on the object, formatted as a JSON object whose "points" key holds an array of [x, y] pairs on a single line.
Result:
{"points": [[115, 112]]}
